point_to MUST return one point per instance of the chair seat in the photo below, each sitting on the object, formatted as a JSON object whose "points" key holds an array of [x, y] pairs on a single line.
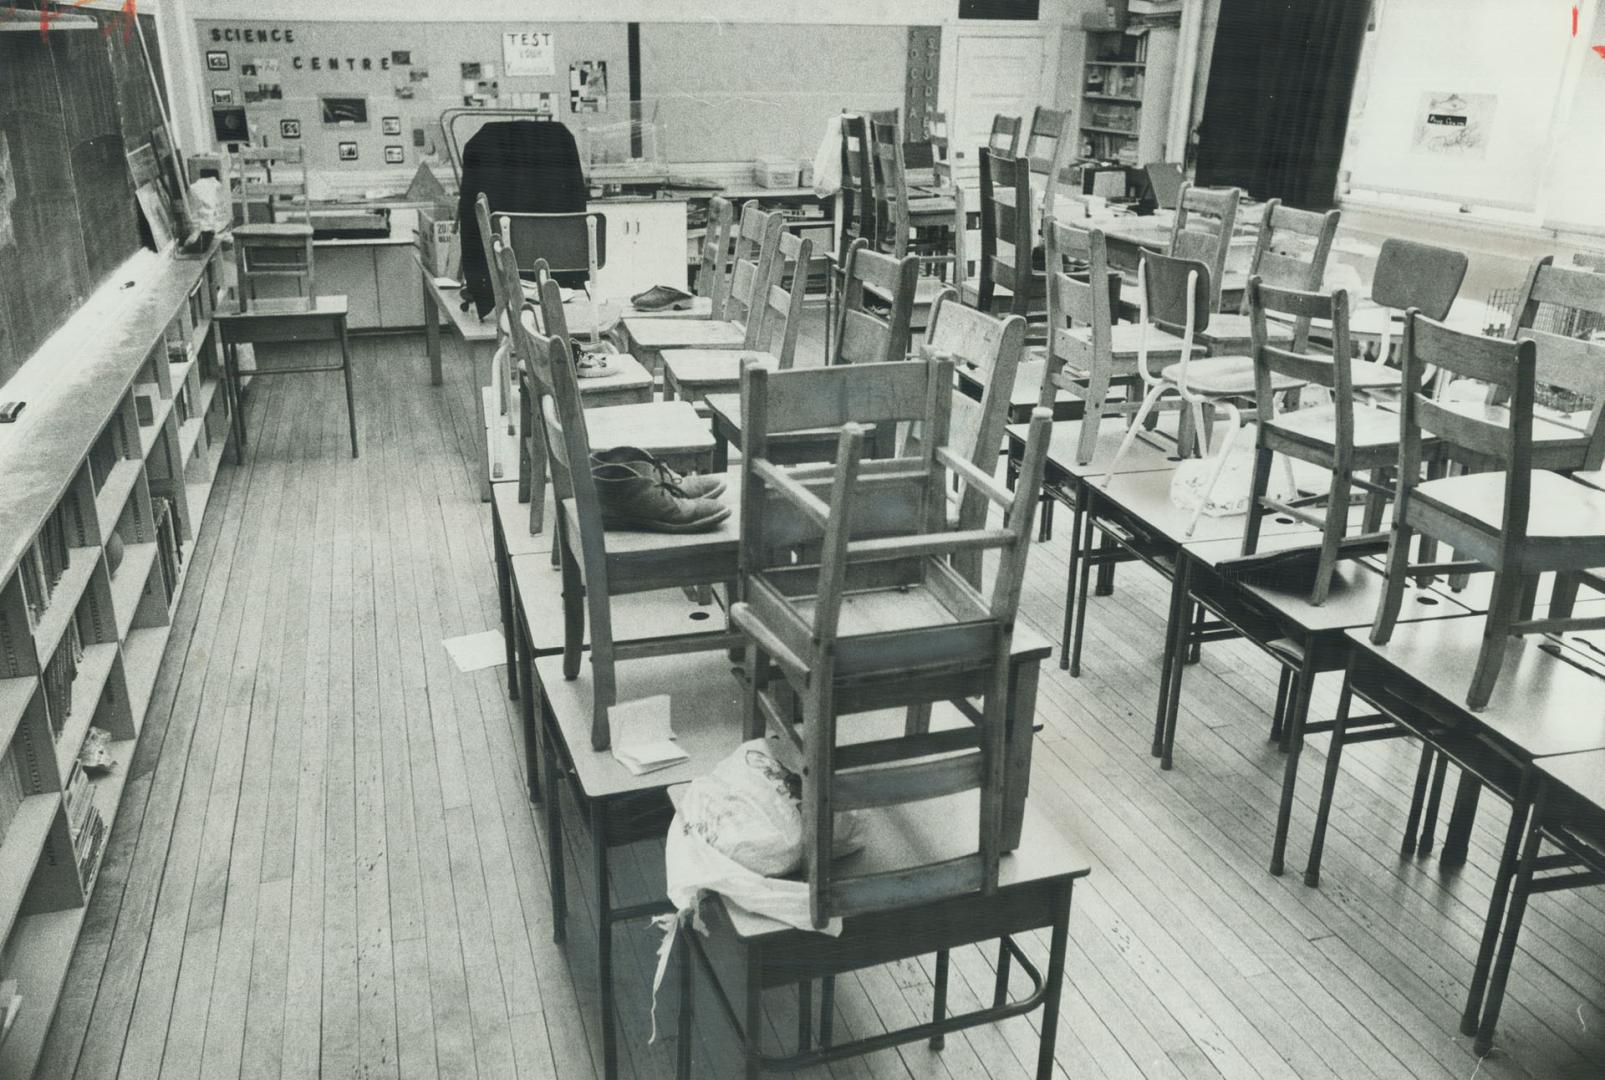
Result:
{"points": [[1125, 340], [1225, 376], [1547, 434], [1370, 375], [656, 334], [865, 619], [661, 427], [926, 290], [1373, 428], [627, 374], [1560, 509], [719, 542], [699, 369]]}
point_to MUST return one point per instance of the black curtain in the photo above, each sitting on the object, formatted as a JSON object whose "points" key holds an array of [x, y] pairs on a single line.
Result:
{"points": [[1277, 107]]}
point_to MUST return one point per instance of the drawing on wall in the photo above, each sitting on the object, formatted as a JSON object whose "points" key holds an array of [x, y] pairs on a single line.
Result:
{"points": [[540, 102], [1454, 124], [216, 60], [393, 155], [348, 151], [228, 124], [345, 111], [401, 58], [528, 52], [390, 125], [260, 81], [587, 86], [8, 194], [472, 71], [289, 129], [222, 95], [418, 74]]}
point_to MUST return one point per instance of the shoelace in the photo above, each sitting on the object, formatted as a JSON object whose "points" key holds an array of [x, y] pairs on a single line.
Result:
{"points": [[669, 480]]}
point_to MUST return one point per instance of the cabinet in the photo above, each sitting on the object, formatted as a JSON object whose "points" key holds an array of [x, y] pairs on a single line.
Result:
{"points": [[1125, 100], [401, 304], [645, 245], [347, 269]]}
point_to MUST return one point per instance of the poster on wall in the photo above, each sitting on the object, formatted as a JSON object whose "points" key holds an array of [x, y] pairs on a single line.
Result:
{"points": [[587, 86], [528, 52], [1454, 125]]}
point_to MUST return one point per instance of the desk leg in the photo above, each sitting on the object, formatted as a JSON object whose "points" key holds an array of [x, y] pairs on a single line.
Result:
{"points": [[1106, 569], [534, 759], [1295, 747], [1081, 600], [231, 387], [827, 1010], [752, 1020], [345, 369], [1169, 660], [432, 332], [939, 1007], [504, 596], [604, 938], [1323, 809], [1070, 585], [1461, 819], [1057, 948], [483, 357], [1507, 943], [1496, 903], [805, 1015], [1429, 817], [554, 828]]}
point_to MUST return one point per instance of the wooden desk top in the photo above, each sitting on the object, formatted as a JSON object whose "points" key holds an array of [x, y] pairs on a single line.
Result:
{"points": [[514, 518], [1352, 602], [289, 307], [638, 615], [467, 325], [1144, 455], [1541, 705], [1146, 497], [920, 834], [1582, 773]]}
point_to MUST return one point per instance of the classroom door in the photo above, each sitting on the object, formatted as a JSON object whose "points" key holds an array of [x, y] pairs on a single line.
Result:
{"points": [[995, 70]]}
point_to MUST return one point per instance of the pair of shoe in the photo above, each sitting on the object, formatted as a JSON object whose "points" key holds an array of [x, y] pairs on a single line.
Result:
{"points": [[662, 298], [637, 491]]}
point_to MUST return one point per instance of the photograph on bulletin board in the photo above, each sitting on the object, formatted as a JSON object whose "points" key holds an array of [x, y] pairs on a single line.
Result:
{"points": [[344, 111], [394, 155], [348, 151], [587, 86]]}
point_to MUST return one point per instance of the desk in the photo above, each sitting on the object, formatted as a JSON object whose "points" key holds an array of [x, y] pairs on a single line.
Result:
{"points": [[706, 696], [1035, 882], [1417, 682], [478, 337], [289, 320]]}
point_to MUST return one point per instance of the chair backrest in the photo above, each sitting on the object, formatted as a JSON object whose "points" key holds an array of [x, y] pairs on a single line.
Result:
{"points": [[941, 165], [1421, 276], [781, 317], [1005, 135], [1006, 225], [1295, 360], [863, 335], [1042, 142], [1167, 280], [713, 263], [573, 243], [495, 250], [1164, 179], [1561, 310], [1205, 218], [1293, 247], [858, 183], [891, 190], [1077, 264], [1510, 368], [1062, 173], [266, 183], [757, 240]]}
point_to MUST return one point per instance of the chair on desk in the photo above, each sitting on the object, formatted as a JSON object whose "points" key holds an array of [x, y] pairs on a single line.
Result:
{"points": [[1515, 519], [1089, 354], [1290, 253], [1339, 438], [691, 374], [847, 591], [877, 304], [714, 261], [1008, 233], [1205, 219], [1407, 275], [268, 187], [599, 564], [1043, 137], [1004, 137], [906, 224]]}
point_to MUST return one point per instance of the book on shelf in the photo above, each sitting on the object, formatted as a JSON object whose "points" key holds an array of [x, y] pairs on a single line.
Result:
{"points": [[10, 791], [89, 845], [78, 795]]}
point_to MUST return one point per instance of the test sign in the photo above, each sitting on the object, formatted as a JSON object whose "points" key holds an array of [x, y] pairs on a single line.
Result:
{"points": [[528, 52]]}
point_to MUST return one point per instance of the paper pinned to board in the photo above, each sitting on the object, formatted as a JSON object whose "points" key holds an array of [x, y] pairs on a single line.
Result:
{"points": [[642, 737], [474, 652]]}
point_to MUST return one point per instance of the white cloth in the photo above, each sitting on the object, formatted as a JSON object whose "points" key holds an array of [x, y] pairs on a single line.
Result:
{"points": [[828, 159]]}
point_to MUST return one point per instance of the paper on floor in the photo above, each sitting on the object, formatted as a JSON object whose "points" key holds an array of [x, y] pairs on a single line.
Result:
{"points": [[472, 652], [641, 735]]}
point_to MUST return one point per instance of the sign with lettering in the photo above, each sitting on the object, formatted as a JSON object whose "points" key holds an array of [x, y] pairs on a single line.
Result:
{"points": [[528, 52]]}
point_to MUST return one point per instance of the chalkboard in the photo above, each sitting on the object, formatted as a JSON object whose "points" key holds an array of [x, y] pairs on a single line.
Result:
{"points": [[72, 107]]}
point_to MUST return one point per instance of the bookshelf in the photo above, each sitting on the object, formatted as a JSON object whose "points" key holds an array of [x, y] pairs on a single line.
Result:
{"points": [[104, 492], [1125, 92]]}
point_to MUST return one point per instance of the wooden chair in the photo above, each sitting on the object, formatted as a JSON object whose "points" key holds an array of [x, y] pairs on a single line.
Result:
{"points": [[757, 242], [1205, 218], [1514, 519], [941, 161], [1175, 294], [1042, 140], [693, 373], [1408, 275], [1004, 138], [1062, 184], [1008, 232], [858, 185], [1338, 437], [1290, 253], [268, 186], [871, 280], [600, 564], [846, 589], [1089, 354], [713, 264], [901, 231]]}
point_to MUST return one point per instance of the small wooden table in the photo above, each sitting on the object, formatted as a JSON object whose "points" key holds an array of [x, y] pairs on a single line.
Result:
{"points": [[1035, 882], [297, 320]]}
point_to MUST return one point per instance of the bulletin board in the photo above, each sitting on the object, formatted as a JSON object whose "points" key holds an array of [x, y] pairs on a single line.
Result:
{"points": [[1462, 100], [737, 91], [383, 86]]}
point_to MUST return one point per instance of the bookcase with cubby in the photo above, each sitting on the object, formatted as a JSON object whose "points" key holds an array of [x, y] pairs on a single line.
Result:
{"points": [[106, 484], [1125, 93]]}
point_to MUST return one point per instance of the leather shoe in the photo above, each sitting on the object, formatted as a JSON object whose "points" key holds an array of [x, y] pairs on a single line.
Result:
{"points": [[644, 464], [662, 298], [632, 501]]}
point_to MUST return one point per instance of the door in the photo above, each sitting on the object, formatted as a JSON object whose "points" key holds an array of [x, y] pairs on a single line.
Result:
{"points": [[995, 69]]}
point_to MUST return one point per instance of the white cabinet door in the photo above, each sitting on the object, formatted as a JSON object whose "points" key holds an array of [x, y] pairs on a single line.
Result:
{"points": [[645, 246]]}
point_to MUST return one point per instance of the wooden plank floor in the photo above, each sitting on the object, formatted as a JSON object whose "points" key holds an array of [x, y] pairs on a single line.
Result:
{"points": [[326, 867]]}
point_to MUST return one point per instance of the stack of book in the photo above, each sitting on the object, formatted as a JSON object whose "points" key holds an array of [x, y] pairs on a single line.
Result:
{"points": [[58, 678], [10, 791], [169, 553], [87, 827]]}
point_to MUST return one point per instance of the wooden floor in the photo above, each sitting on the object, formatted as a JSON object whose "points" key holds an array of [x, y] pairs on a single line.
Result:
{"points": [[326, 866]]}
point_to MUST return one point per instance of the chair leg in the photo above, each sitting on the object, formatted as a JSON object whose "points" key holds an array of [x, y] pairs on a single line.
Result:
{"points": [[1502, 610], [1323, 810], [1563, 595], [1337, 520], [573, 609], [1520, 889], [1393, 581], [1418, 795], [1258, 486], [1220, 466], [1429, 817], [1149, 400], [939, 1006], [1091, 415], [1283, 684], [1376, 503], [537, 485]]}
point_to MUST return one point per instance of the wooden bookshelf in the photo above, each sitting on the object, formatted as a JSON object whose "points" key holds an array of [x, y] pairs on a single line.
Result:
{"points": [[107, 478], [1125, 93]]}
